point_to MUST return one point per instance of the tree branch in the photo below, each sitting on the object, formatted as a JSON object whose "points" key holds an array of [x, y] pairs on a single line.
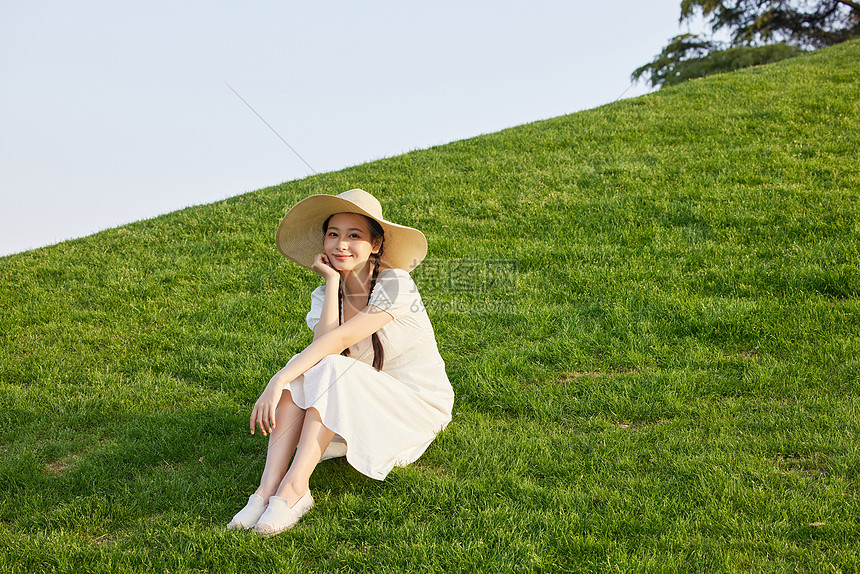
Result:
{"points": [[853, 5]]}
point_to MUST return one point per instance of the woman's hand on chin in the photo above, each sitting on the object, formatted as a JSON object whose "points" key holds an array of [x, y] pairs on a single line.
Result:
{"points": [[322, 267]]}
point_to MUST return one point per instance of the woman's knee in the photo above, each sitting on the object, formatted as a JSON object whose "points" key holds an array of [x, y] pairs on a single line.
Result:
{"points": [[286, 406], [286, 398], [313, 414]]}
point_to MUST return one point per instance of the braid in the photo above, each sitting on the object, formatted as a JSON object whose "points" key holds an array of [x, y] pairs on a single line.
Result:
{"points": [[378, 351], [345, 352]]}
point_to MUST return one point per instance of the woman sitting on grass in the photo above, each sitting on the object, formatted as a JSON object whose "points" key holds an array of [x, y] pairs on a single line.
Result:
{"points": [[371, 385]]}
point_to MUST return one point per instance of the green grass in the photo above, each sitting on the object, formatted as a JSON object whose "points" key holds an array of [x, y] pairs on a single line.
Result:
{"points": [[650, 314]]}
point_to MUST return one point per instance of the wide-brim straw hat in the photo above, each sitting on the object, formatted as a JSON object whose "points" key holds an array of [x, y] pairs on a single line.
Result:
{"points": [[300, 233]]}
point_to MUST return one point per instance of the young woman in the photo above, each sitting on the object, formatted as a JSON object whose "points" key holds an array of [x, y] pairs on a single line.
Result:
{"points": [[372, 385]]}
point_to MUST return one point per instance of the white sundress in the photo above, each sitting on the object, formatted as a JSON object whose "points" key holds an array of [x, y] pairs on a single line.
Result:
{"points": [[385, 418]]}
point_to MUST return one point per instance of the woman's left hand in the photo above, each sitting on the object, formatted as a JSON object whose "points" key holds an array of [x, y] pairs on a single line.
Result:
{"points": [[263, 413]]}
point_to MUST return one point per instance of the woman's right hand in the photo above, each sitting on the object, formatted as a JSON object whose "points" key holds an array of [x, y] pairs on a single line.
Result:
{"points": [[322, 267], [263, 414]]}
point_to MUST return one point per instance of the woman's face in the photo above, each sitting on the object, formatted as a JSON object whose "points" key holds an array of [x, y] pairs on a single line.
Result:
{"points": [[348, 242]]}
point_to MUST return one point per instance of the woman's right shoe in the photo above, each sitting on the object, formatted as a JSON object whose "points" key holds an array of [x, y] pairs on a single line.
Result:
{"points": [[335, 449], [247, 517], [279, 516]]}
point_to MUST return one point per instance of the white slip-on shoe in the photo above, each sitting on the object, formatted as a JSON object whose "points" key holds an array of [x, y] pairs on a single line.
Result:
{"points": [[279, 516], [248, 516], [335, 449]]}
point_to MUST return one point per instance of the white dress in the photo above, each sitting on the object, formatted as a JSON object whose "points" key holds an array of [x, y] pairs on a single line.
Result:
{"points": [[385, 418]]}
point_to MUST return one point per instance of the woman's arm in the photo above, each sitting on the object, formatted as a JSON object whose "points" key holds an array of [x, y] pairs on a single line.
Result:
{"points": [[330, 316], [368, 321]]}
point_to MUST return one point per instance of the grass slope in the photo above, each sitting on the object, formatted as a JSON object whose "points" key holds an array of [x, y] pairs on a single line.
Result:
{"points": [[650, 314]]}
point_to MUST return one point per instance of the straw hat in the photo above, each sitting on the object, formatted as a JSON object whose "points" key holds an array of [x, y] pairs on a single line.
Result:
{"points": [[300, 233]]}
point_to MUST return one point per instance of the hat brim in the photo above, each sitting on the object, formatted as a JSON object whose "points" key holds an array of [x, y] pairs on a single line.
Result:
{"points": [[300, 234]]}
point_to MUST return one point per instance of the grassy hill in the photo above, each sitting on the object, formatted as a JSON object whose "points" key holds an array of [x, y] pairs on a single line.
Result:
{"points": [[650, 313]]}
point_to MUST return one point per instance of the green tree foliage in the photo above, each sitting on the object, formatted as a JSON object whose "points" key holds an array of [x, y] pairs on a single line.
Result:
{"points": [[761, 31], [689, 56]]}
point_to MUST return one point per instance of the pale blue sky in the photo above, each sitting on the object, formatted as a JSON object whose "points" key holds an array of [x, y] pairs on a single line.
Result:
{"points": [[112, 112]]}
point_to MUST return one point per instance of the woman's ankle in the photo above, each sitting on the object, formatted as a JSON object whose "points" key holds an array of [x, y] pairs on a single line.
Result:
{"points": [[292, 492], [265, 492]]}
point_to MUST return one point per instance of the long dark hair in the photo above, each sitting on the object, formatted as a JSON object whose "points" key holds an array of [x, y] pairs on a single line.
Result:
{"points": [[376, 233]]}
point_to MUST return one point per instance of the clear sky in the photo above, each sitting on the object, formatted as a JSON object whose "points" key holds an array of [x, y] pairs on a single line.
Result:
{"points": [[112, 112]]}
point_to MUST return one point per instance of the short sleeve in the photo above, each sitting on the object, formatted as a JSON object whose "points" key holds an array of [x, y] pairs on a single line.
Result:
{"points": [[317, 299], [395, 293]]}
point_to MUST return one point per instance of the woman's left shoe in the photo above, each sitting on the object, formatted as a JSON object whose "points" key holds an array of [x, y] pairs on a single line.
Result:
{"points": [[279, 516]]}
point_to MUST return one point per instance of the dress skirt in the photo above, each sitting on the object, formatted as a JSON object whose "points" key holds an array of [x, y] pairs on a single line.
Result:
{"points": [[384, 421]]}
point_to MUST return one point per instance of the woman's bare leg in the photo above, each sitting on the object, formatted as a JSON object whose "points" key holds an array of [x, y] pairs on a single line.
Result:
{"points": [[289, 420], [313, 441]]}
